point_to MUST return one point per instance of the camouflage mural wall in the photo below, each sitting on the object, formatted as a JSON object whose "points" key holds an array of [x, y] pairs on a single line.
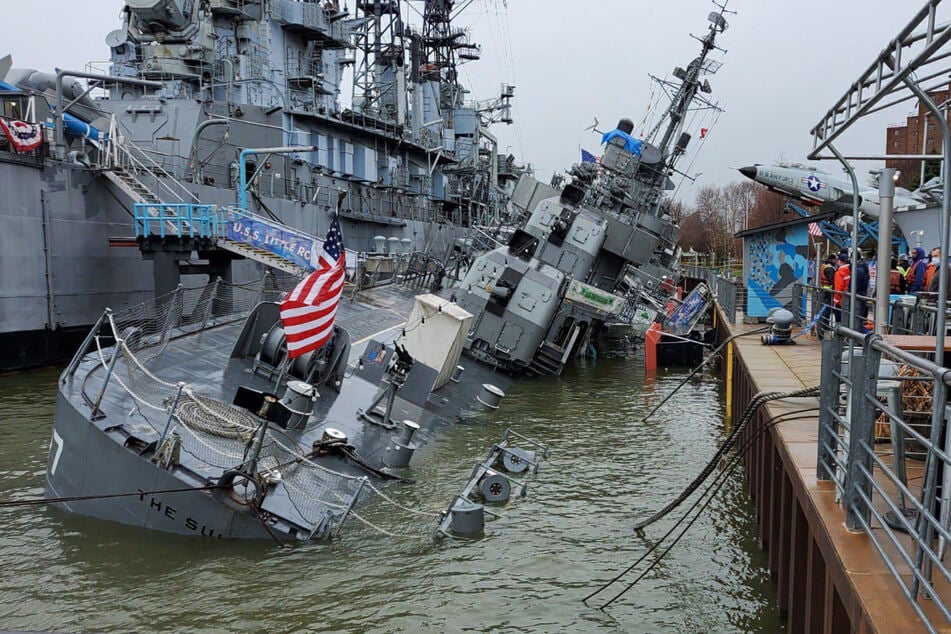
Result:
{"points": [[773, 261]]}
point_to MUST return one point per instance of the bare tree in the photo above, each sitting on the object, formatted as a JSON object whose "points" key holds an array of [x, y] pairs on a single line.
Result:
{"points": [[767, 208], [740, 199], [693, 234]]}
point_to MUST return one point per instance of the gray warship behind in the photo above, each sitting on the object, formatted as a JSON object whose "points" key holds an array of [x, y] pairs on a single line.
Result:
{"points": [[187, 414], [190, 84]]}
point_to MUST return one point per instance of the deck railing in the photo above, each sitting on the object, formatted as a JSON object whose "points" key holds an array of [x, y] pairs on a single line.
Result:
{"points": [[178, 219], [881, 440]]}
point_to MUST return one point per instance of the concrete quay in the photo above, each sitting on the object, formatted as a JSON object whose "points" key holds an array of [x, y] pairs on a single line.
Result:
{"points": [[829, 579]]}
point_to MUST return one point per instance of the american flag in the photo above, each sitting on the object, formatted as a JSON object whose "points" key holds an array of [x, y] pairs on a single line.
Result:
{"points": [[307, 313], [588, 157], [815, 229]]}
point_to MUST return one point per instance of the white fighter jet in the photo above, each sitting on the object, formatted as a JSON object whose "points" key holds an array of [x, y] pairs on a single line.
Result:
{"points": [[813, 187]]}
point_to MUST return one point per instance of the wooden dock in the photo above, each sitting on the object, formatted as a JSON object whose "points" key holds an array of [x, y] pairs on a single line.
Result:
{"points": [[829, 579]]}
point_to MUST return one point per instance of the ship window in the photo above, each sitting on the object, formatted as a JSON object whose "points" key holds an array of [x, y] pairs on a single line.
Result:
{"points": [[11, 109]]}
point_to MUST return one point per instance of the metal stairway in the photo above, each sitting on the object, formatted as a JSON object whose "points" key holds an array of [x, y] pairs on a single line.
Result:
{"points": [[183, 217], [211, 224], [263, 256], [131, 186], [547, 359]]}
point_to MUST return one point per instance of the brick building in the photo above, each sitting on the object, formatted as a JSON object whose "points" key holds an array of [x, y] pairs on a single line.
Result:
{"points": [[912, 138]]}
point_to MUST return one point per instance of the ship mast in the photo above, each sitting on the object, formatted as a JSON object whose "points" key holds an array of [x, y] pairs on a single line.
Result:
{"points": [[690, 85], [379, 83]]}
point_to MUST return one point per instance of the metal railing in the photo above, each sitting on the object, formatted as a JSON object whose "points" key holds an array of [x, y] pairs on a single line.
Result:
{"points": [[907, 314], [179, 219], [119, 152], [728, 294], [881, 441], [232, 225]]}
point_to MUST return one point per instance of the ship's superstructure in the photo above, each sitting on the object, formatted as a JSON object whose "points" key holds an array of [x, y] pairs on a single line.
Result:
{"points": [[192, 83], [591, 253]]}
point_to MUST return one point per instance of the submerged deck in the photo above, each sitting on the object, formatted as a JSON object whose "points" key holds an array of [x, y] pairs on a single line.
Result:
{"points": [[828, 578]]}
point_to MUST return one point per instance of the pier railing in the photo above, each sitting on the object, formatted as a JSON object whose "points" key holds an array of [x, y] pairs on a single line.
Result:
{"points": [[726, 290], [907, 314], [882, 441]]}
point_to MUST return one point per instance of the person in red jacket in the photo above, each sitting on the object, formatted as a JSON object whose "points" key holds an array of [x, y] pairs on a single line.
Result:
{"points": [[932, 267], [843, 277]]}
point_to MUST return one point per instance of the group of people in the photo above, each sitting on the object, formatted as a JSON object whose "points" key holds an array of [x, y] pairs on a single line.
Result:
{"points": [[910, 274]]}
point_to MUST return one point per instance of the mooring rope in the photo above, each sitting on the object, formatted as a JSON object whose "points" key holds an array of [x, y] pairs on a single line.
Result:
{"points": [[708, 495], [101, 496], [758, 400], [703, 363]]}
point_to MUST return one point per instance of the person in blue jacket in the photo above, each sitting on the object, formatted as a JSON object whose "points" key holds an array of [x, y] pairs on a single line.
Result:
{"points": [[916, 274], [861, 289]]}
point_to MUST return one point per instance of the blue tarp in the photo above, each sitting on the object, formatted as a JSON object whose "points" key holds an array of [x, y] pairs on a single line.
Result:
{"points": [[631, 144]]}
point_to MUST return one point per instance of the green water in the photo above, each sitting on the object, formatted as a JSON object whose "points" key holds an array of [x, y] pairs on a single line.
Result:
{"points": [[66, 573]]}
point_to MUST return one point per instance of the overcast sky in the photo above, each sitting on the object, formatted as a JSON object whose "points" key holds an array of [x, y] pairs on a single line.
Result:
{"points": [[786, 64]]}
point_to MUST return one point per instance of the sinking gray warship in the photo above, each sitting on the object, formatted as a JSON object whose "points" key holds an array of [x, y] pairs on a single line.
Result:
{"points": [[191, 83], [188, 414]]}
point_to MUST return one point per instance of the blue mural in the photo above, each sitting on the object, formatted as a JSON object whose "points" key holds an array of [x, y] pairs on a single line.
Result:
{"points": [[777, 260]]}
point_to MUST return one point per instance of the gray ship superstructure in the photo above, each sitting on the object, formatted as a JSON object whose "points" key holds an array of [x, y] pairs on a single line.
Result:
{"points": [[190, 84], [594, 253]]}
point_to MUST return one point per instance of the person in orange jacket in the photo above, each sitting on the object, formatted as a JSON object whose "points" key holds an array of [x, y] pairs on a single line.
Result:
{"points": [[843, 277], [933, 265]]}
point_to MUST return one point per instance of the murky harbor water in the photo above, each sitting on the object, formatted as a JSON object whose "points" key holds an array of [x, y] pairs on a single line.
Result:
{"points": [[66, 573]]}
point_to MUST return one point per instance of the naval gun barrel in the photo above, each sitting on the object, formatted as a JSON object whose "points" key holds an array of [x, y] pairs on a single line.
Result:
{"points": [[60, 131]]}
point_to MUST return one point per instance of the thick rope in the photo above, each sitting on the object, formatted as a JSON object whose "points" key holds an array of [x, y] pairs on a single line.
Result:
{"points": [[372, 525], [757, 401], [706, 497], [400, 506]]}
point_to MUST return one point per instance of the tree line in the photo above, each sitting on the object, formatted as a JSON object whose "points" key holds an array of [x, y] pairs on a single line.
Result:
{"points": [[719, 212]]}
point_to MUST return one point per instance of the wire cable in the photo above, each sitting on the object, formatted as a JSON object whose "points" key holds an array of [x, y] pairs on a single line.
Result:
{"points": [[102, 496], [707, 496]]}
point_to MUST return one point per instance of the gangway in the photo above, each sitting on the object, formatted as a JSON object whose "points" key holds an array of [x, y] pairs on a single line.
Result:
{"points": [[240, 232]]}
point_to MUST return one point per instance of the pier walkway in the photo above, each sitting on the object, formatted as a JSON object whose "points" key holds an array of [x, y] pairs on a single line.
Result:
{"points": [[829, 578]]}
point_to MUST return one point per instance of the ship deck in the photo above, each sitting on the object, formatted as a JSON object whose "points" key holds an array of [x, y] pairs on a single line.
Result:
{"points": [[134, 408]]}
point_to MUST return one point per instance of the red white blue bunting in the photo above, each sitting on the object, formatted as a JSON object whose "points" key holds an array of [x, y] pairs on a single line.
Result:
{"points": [[23, 136]]}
